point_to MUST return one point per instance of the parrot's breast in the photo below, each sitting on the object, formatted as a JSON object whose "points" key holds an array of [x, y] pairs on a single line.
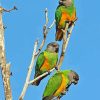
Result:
{"points": [[50, 61], [45, 66], [62, 86], [67, 17]]}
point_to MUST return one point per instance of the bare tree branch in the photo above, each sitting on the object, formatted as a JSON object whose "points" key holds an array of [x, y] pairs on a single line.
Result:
{"points": [[5, 68], [65, 42], [53, 23], [14, 8], [45, 32], [29, 72], [44, 74]]}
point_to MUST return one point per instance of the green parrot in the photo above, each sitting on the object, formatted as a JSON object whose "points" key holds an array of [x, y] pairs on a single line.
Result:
{"points": [[59, 84], [65, 13], [46, 60]]}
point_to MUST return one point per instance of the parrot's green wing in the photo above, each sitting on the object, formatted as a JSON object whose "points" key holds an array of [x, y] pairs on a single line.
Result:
{"points": [[40, 61], [58, 15], [52, 85]]}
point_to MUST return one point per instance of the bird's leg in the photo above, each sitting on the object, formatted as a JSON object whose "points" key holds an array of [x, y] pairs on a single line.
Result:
{"points": [[56, 68], [49, 72]]}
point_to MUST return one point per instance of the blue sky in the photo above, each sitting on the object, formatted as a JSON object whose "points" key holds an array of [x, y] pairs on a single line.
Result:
{"points": [[24, 26]]}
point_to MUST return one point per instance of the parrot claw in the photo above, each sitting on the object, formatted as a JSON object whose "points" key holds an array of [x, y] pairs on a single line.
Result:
{"points": [[49, 72], [67, 21], [56, 68]]}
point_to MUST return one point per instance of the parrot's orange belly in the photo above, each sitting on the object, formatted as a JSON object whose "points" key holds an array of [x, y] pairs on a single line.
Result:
{"points": [[62, 86], [45, 66], [67, 17]]}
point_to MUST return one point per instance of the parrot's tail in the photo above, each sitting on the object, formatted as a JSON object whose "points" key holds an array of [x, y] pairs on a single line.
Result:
{"points": [[36, 83], [59, 35]]}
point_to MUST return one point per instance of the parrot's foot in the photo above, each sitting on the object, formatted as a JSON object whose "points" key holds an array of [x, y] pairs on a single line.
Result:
{"points": [[49, 72], [67, 21], [56, 68]]}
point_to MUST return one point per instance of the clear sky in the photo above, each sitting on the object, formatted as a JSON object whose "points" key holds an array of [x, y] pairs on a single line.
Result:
{"points": [[24, 26]]}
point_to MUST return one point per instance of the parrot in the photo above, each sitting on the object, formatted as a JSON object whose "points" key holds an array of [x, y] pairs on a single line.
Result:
{"points": [[46, 61], [65, 13], [59, 84]]}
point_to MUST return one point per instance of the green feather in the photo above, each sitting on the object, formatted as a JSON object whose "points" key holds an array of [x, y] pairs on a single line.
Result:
{"points": [[40, 61], [58, 15], [52, 85], [51, 57]]}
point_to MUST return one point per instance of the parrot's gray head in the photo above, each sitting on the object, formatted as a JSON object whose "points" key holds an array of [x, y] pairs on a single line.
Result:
{"points": [[74, 77], [65, 2], [53, 47]]}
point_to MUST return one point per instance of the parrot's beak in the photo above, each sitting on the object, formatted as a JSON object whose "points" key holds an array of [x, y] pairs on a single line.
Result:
{"points": [[75, 82], [57, 50], [76, 79]]}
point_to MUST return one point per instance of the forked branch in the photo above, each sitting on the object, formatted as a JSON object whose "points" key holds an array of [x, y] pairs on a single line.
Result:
{"points": [[65, 42]]}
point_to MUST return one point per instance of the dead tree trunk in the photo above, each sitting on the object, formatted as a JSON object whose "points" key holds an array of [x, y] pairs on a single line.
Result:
{"points": [[5, 68]]}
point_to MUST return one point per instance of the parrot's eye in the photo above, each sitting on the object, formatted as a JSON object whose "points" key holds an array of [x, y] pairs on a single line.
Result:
{"points": [[76, 78]]}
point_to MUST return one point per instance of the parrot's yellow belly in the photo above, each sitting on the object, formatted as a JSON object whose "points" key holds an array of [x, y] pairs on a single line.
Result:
{"points": [[62, 86]]}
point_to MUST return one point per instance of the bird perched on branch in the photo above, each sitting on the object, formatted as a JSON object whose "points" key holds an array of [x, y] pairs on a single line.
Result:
{"points": [[65, 13], [59, 84], [46, 61]]}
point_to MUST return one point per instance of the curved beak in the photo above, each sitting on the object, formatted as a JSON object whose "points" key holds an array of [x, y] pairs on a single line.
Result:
{"points": [[57, 50]]}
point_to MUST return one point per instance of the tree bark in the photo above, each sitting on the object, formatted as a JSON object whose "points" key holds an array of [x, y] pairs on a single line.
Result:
{"points": [[5, 68]]}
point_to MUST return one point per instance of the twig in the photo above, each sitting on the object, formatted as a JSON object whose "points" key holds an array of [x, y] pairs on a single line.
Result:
{"points": [[53, 23], [46, 16], [29, 72], [65, 44], [58, 98], [5, 68], [14, 8], [44, 74], [45, 31]]}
